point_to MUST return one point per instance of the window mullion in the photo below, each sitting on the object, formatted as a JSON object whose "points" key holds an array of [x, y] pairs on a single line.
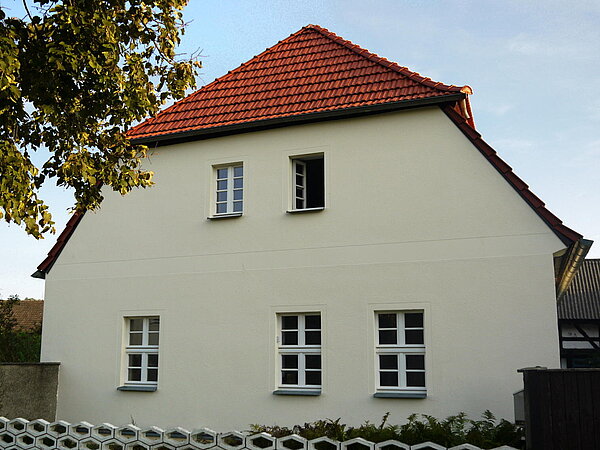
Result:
{"points": [[301, 369], [230, 189], [400, 330]]}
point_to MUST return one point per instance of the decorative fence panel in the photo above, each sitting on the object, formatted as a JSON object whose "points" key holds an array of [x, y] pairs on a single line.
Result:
{"points": [[40, 434]]}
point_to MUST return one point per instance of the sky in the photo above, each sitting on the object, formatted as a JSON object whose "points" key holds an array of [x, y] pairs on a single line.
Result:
{"points": [[533, 67]]}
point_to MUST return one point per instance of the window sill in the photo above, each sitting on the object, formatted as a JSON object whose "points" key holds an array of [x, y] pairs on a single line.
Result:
{"points": [[224, 216], [304, 392], [138, 388], [400, 395], [305, 210]]}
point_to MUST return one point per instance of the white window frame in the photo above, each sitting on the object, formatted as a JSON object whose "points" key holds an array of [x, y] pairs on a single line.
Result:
{"points": [[301, 350], [400, 350], [296, 164], [229, 191], [296, 161], [144, 350]]}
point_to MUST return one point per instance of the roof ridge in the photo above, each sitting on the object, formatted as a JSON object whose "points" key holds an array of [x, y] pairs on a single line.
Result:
{"points": [[389, 64]]}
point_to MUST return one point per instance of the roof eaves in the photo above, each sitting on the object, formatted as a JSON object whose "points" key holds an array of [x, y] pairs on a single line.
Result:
{"points": [[297, 119], [58, 247]]}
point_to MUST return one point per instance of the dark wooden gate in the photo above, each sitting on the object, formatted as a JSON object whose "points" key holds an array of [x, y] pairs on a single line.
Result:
{"points": [[562, 408]]}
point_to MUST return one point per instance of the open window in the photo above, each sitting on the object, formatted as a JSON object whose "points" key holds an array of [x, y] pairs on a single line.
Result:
{"points": [[308, 182]]}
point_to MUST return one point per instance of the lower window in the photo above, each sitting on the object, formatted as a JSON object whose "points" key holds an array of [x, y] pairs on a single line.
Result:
{"points": [[400, 352], [300, 351], [141, 351]]}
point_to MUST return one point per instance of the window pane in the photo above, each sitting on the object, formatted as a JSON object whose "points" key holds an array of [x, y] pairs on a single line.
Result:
{"points": [[299, 192], [415, 379], [312, 361], [136, 324], [413, 336], [135, 360], [152, 360], [154, 324], [289, 377], [312, 338], [413, 320], [289, 338], [289, 361], [289, 322], [134, 375], [222, 196], [152, 374], [388, 361], [221, 208], [299, 168], [222, 185], [415, 362], [387, 337], [299, 180], [238, 194], [387, 320], [313, 378], [299, 204], [388, 378], [238, 171], [237, 206], [135, 338], [222, 173], [312, 322], [238, 183], [153, 339]]}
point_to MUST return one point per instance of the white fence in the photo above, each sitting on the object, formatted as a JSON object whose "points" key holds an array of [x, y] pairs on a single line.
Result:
{"points": [[40, 434]]}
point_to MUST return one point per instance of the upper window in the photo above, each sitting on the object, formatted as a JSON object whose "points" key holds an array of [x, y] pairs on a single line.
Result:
{"points": [[308, 181], [300, 350], [400, 351], [229, 189], [141, 351]]}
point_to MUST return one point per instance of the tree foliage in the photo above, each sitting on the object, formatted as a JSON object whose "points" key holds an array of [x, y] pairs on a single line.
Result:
{"points": [[74, 76], [17, 345]]}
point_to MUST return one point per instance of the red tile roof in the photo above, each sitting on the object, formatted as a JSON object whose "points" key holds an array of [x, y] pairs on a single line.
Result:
{"points": [[311, 71]]}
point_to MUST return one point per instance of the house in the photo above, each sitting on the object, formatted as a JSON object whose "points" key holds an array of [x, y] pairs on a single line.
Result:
{"points": [[329, 236], [28, 314], [579, 318]]}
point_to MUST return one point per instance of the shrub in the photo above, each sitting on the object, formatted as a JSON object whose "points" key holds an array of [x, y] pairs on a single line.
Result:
{"points": [[454, 430], [17, 345]]}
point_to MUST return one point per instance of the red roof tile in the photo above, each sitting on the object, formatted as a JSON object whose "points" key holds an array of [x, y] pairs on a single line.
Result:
{"points": [[313, 70], [28, 314]]}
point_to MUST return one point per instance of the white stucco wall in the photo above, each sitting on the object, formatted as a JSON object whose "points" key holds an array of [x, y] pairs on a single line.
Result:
{"points": [[415, 218]]}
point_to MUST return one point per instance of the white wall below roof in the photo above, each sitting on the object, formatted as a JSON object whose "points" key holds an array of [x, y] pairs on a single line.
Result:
{"points": [[415, 218]]}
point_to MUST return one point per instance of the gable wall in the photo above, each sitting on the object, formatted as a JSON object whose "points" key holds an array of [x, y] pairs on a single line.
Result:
{"points": [[415, 218]]}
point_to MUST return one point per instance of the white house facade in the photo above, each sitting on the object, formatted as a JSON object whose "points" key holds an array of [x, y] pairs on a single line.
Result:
{"points": [[312, 269]]}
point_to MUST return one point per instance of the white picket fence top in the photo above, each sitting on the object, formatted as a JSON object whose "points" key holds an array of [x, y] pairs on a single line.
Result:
{"points": [[41, 434]]}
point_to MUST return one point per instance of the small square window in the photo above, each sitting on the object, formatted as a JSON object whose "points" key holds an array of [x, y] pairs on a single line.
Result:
{"points": [[308, 182], [229, 192]]}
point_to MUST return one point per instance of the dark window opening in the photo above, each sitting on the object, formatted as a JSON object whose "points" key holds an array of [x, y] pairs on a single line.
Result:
{"points": [[309, 182]]}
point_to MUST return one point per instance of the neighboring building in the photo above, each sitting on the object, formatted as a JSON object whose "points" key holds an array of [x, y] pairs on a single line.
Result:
{"points": [[579, 318], [328, 237], [28, 314]]}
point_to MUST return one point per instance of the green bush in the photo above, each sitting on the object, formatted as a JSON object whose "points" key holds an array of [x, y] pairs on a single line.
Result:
{"points": [[17, 345], [454, 430]]}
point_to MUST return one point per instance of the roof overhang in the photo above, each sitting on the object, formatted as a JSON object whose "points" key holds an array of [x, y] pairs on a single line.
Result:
{"points": [[567, 263], [257, 125]]}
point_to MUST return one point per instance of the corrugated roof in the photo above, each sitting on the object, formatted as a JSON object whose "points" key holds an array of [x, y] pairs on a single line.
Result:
{"points": [[582, 299], [311, 71]]}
